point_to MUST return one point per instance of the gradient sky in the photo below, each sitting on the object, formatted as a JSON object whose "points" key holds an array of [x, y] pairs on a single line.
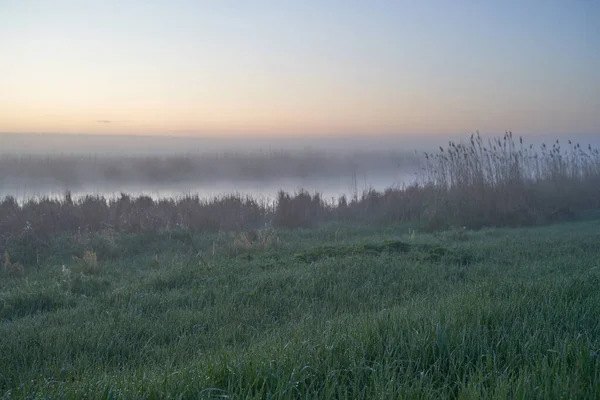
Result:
{"points": [[299, 67]]}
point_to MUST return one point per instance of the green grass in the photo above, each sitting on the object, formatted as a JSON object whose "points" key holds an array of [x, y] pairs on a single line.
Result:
{"points": [[335, 312]]}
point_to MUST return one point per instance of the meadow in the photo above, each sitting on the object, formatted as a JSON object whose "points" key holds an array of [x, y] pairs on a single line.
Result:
{"points": [[481, 281], [333, 312]]}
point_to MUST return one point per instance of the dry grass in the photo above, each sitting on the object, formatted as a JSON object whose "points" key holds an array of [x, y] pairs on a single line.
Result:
{"points": [[302, 210], [88, 263], [504, 182], [258, 239], [11, 269]]}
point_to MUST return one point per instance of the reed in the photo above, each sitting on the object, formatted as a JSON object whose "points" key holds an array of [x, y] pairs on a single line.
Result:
{"points": [[501, 182]]}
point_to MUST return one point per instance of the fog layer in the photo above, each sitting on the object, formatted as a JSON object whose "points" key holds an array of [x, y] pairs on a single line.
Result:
{"points": [[36, 165]]}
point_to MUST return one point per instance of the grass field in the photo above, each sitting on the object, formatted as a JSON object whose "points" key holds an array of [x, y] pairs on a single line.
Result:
{"points": [[330, 312]]}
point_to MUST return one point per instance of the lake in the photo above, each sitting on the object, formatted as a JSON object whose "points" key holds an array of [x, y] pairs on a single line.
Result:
{"points": [[329, 187]]}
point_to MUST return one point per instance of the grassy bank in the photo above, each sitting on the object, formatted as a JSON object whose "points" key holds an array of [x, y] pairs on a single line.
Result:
{"points": [[338, 311]]}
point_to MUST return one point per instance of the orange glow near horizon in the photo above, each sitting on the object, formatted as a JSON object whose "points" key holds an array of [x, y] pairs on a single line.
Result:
{"points": [[285, 70], [281, 116]]}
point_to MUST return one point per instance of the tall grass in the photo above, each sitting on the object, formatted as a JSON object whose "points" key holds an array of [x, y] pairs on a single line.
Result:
{"points": [[46, 217], [501, 182], [506, 182]]}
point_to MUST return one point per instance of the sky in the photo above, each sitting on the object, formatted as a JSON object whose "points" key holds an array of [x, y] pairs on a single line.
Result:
{"points": [[282, 68]]}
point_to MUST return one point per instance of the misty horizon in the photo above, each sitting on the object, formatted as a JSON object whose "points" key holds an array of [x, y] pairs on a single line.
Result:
{"points": [[49, 165], [102, 144], [165, 167], [293, 94]]}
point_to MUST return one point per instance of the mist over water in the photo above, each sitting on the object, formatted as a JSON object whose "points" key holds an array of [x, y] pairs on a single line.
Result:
{"points": [[127, 145], [48, 165]]}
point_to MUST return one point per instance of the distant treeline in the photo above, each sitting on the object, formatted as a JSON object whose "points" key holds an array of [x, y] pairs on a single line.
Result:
{"points": [[502, 182], [76, 170]]}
